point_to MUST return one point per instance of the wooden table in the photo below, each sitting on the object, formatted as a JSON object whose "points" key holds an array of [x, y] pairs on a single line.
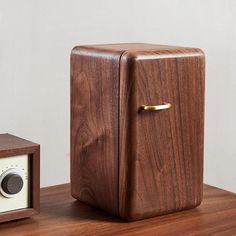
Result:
{"points": [[63, 215]]}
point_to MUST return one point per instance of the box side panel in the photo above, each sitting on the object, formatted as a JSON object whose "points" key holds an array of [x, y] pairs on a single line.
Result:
{"points": [[94, 127], [161, 152]]}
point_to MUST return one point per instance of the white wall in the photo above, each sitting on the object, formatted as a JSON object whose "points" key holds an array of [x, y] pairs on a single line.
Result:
{"points": [[35, 42]]}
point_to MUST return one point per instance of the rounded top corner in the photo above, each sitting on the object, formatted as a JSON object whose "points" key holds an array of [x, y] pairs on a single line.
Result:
{"points": [[129, 56], [200, 52], [74, 50]]}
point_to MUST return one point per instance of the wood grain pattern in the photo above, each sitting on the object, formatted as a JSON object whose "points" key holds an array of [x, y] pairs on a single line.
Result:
{"points": [[161, 152], [94, 126], [137, 165], [11, 145], [62, 215]]}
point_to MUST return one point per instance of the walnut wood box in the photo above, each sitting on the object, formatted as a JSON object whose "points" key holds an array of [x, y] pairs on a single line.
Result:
{"points": [[18, 156], [132, 160]]}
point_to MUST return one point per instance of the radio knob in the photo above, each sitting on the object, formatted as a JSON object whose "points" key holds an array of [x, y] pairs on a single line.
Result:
{"points": [[12, 183]]}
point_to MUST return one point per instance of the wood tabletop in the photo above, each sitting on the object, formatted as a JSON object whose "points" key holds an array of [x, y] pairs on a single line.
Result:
{"points": [[63, 215]]}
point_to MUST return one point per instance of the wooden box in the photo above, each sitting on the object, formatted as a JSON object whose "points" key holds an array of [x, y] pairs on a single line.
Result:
{"points": [[19, 178], [137, 116]]}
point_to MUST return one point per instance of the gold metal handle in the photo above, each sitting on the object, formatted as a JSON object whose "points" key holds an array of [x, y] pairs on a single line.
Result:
{"points": [[155, 107]]}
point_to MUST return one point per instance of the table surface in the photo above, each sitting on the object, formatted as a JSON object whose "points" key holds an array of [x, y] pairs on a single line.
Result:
{"points": [[63, 215]]}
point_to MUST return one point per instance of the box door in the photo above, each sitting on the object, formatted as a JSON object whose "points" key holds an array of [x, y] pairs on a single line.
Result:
{"points": [[161, 132]]}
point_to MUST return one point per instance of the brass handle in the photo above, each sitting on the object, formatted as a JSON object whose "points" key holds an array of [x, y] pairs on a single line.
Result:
{"points": [[155, 107]]}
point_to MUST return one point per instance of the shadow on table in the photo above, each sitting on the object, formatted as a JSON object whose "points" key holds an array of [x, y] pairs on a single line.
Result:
{"points": [[85, 212], [76, 211]]}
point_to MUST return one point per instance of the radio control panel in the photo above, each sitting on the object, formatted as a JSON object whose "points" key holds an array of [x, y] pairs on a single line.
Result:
{"points": [[14, 184]]}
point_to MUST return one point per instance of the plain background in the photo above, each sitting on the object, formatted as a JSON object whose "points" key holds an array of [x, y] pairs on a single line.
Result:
{"points": [[36, 38]]}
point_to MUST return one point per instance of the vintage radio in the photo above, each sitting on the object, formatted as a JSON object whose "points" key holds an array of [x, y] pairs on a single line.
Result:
{"points": [[19, 178], [137, 116]]}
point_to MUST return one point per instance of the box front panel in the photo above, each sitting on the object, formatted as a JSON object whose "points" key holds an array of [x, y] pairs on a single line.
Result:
{"points": [[161, 152]]}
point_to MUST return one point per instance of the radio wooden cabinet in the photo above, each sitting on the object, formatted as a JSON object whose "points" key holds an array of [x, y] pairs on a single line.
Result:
{"points": [[19, 178], [137, 128]]}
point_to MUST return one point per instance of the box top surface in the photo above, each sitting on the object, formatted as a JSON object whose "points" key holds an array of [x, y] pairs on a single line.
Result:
{"points": [[133, 46], [140, 50], [10, 142]]}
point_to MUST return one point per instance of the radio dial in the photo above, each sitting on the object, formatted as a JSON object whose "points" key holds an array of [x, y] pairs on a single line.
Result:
{"points": [[12, 183]]}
